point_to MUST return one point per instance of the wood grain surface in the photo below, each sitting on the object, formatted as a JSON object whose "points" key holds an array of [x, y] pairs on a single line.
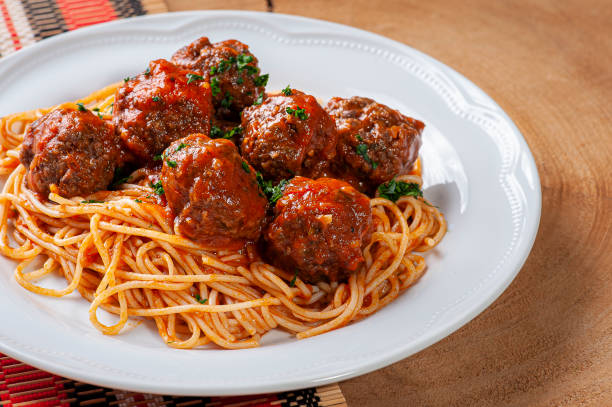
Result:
{"points": [[547, 341]]}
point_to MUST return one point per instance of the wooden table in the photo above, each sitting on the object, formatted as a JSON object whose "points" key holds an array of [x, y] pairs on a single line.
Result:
{"points": [[547, 341]]}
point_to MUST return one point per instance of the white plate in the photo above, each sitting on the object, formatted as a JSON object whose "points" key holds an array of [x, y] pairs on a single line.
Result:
{"points": [[477, 168]]}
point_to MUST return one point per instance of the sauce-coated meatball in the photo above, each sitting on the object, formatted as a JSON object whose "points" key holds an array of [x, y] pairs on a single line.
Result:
{"points": [[319, 229], [159, 106], [73, 150], [288, 135], [375, 142], [229, 67], [212, 192]]}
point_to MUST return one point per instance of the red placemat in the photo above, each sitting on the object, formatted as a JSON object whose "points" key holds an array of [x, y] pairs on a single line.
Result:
{"points": [[23, 23], [23, 385]]}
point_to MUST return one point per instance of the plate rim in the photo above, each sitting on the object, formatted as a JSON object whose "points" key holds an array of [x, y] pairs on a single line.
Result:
{"points": [[438, 333]]}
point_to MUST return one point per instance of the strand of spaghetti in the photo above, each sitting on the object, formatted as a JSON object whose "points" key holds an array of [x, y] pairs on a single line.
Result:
{"points": [[47, 268], [151, 234], [74, 282], [178, 309], [341, 319], [403, 245], [216, 320], [178, 278]]}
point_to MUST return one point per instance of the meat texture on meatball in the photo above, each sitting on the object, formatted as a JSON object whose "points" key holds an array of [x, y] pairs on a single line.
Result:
{"points": [[161, 105], [230, 68], [71, 152], [212, 192], [320, 228], [287, 135], [375, 142]]}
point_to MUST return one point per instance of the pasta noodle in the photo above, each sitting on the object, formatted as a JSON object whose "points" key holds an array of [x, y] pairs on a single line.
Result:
{"points": [[123, 256]]}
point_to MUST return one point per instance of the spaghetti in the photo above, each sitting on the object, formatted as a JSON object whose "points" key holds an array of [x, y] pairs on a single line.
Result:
{"points": [[119, 251]]}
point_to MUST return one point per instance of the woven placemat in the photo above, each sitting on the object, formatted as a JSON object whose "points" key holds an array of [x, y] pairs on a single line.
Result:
{"points": [[23, 23], [23, 385]]}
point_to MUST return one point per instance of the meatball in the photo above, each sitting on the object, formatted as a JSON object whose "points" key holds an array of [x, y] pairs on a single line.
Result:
{"points": [[161, 105], [212, 192], [72, 150], [375, 142], [230, 68], [288, 135], [319, 229]]}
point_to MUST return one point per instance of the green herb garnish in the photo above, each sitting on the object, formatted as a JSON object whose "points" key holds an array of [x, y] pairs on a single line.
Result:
{"points": [[81, 107], [243, 60], [156, 98], [292, 282], [298, 112], [200, 299], [171, 164], [96, 109], [193, 77], [119, 178], [216, 132], [227, 100], [180, 147], [362, 150], [271, 191], [214, 86], [261, 80], [157, 187], [90, 201], [231, 133], [126, 79], [147, 71], [287, 91], [245, 167], [393, 190], [137, 200], [259, 100], [240, 81], [157, 157]]}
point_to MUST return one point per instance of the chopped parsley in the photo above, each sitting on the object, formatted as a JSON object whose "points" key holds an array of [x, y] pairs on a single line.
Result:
{"points": [[243, 60], [81, 107], [158, 187], [90, 201], [192, 77], [272, 192], [157, 157], [171, 164], [227, 100], [96, 109], [180, 147], [156, 98], [245, 167], [393, 190], [120, 177], [137, 200], [362, 150], [147, 71], [216, 132], [287, 91], [126, 79], [240, 80], [259, 100], [292, 282], [261, 80], [200, 299], [214, 86], [231, 133], [298, 112]]}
